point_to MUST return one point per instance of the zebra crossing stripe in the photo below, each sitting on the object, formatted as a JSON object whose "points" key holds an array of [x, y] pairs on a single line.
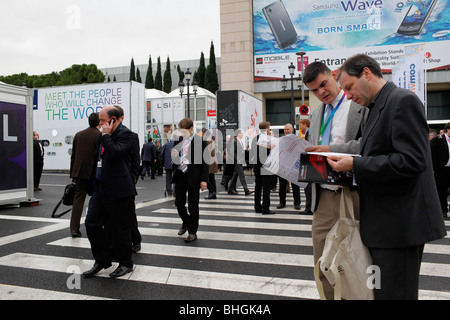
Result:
{"points": [[293, 288]]}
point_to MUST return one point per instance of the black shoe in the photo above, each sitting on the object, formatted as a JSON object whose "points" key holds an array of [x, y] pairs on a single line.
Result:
{"points": [[211, 196], [136, 247], [297, 207], [120, 272], [268, 212], [232, 192], [142, 177], [95, 269], [182, 231], [191, 237], [308, 212], [281, 206], [75, 233], [258, 210]]}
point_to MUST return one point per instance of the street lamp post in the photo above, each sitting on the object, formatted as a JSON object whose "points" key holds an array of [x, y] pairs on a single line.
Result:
{"points": [[188, 75], [284, 85], [301, 53]]}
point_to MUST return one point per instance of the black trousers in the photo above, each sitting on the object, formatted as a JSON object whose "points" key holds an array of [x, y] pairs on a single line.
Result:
{"points": [[108, 228], [190, 215], [295, 192], [442, 178], [262, 187], [399, 272]]}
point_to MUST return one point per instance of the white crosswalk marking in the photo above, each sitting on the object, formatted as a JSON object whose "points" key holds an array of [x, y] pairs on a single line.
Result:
{"points": [[230, 232]]}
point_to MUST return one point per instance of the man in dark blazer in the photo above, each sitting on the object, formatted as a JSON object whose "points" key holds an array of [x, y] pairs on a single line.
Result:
{"points": [[38, 160], [113, 190], [239, 160], [148, 156], [400, 209], [191, 173], [84, 155], [263, 177], [441, 166]]}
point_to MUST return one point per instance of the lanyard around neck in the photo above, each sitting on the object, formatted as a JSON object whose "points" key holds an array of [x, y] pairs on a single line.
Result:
{"points": [[325, 125]]}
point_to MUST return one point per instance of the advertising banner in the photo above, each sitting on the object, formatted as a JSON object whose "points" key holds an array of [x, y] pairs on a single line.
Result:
{"points": [[331, 31], [13, 156], [409, 72], [61, 112]]}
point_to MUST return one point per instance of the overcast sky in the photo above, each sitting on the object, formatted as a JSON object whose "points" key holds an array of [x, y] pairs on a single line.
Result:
{"points": [[41, 36]]}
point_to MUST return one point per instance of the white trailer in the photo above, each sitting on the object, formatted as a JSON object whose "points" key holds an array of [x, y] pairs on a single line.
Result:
{"points": [[60, 112], [16, 145]]}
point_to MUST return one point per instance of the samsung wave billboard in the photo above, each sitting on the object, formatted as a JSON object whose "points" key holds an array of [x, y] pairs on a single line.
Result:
{"points": [[331, 31]]}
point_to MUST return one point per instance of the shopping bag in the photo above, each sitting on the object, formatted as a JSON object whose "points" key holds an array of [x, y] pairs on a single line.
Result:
{"points": [[345, 259], [66, 199]]}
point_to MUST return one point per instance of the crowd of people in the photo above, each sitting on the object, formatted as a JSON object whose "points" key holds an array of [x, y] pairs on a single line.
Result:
{"points": [[400, 194]]}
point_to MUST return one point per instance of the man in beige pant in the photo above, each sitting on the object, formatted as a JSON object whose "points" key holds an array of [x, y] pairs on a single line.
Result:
{"points": [[336, 124]]}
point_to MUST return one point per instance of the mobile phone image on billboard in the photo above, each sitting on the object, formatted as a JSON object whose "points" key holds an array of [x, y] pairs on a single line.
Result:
{"points": [[416, 17], [281, 24]]}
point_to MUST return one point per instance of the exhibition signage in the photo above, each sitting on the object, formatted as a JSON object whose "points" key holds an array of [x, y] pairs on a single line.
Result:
{"points": [[331, 31]]}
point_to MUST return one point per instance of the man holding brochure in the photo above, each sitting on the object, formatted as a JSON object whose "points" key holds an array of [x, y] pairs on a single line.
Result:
{"points": [[400, 209], [336, 124]]}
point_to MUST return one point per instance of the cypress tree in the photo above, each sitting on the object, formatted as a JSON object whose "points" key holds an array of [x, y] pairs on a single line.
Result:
{"points": [[158, 76], [201, 72], [138, 76], [132, 71], [211, 78], [167, 77], [149, 82]]}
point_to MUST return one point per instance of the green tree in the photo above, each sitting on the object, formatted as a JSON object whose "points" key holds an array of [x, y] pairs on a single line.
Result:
{"points": [[211, 78], [149, 82], [132, 71], [138, 76], [201, 72], [180, 74], [167, 77], [158, 76]]}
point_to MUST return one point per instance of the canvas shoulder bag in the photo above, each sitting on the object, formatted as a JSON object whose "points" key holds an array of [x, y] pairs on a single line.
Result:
{"points": [[345, 259]]}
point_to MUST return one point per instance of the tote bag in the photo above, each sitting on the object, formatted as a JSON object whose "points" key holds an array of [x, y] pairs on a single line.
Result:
{"points": [[345, 258]]}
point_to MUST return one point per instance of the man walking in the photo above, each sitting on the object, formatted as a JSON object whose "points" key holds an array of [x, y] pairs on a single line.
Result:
{"points": [[82, 160], [113, 191], [190, 176]]}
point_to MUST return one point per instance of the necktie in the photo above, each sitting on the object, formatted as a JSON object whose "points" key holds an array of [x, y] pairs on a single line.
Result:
{"points": [[327, 132], [184, 162]]}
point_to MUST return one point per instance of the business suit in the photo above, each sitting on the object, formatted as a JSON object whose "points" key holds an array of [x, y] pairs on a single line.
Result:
{"points": [[440, 157], [82, 160], [109, 204], [263, 177], [239, 160], [326, 203], [400, 209], [166, 153], [189, 182], [148, 155], [38, 162]]}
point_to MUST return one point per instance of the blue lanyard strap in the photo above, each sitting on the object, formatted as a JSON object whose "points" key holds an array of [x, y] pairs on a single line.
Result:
{"points": [[325, 125]]}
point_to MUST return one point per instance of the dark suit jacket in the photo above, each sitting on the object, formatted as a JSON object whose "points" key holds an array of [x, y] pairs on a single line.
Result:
{"points": [[198, 168], [38, 154], [84, 153], [398, 198], [148, 152], [116, 163], [258, 156], [439, 153]]}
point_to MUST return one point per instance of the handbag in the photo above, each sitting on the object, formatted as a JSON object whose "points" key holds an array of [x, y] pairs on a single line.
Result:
{"points": [[67, 200], [345, 259]]}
